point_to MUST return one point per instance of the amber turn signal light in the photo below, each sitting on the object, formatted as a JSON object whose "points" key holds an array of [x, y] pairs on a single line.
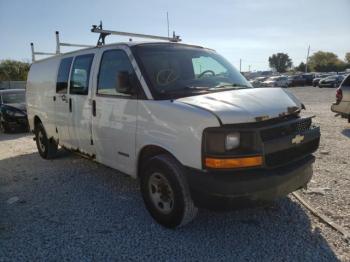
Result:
{"points": [[233, 162]]}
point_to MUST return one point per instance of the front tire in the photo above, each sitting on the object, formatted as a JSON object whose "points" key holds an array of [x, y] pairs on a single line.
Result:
{"points": [[4, 128], [165, 191], [47, 148]]}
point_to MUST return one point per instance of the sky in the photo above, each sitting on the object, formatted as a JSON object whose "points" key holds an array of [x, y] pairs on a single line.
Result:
{"points": [[250, 30]]}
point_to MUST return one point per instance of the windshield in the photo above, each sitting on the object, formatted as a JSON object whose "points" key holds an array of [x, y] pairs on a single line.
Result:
{"points": [[13, 98], [173, 70]]}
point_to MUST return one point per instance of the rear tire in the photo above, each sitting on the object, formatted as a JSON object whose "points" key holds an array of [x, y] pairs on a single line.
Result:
{"points": [[47, 148], [165, 192]]}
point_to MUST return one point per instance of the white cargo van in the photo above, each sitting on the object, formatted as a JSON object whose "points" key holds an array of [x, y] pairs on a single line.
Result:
{"points": [[179, 118]]}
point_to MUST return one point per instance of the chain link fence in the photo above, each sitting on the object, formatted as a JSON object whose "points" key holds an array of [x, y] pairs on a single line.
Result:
{"points": [[12, 85]]}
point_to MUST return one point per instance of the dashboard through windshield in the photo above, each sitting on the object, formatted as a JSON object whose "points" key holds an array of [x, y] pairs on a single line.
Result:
{"points": [[174, 70]]}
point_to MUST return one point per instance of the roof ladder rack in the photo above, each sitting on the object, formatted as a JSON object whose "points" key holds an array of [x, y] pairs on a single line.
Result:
{"points": [[58, 47], [59, 44], [38, 53], [103, 33]]}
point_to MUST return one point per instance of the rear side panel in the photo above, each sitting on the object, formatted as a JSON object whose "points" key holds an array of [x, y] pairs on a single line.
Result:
{"points": [[40, 91]]}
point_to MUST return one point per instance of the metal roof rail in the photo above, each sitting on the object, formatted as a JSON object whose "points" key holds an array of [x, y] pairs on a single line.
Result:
{"points": [[59, 44], [103, 33], [58, 47], [38, 53]]}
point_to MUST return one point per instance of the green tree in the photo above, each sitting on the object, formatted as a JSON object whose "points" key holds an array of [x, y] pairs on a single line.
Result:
{"points": [[13, 70], [325, 62], [347, 57], [280, 62], [301, 67]]}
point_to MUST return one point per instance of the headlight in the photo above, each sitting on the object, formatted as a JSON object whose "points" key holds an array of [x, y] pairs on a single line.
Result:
{"points": [[18, 114], [226, 148], [225, 141], [8, 112], [232, 141]]}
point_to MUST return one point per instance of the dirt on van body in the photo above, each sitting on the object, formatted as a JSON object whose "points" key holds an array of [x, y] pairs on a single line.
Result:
{"points": [[71, 208]]}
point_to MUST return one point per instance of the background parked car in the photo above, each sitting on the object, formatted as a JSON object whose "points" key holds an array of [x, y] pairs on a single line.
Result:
{"points": [[13, 113], [297, 80], [308, 78], [275, 81], [331, 81], [342, 103], [257, 81], [317, 79]]}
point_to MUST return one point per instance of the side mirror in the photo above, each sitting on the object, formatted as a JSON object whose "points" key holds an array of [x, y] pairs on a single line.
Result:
{"points": [[125, 83]]}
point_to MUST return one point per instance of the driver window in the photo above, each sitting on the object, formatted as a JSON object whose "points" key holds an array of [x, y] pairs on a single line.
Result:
{"points": [[204, 63], [113, 63]]}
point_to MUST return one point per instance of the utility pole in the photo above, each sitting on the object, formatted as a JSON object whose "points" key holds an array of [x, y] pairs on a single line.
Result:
{"points": [[240, 65], [249, 68], [167, 20], [307, 58]]}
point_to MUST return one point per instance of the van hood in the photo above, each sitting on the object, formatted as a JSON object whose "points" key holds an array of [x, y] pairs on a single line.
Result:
{"points": [[246, 105]]}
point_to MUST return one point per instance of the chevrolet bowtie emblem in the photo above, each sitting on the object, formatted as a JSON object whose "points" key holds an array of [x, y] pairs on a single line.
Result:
{"points": [[297, 139]]}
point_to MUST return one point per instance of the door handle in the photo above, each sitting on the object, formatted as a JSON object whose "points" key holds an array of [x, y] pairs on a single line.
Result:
{"points": [[94, 107], [70, 104], [64, 98]]}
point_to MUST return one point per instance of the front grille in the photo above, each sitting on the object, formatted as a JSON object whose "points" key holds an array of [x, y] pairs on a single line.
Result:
{"points": [[301, 125], [290, 154]]}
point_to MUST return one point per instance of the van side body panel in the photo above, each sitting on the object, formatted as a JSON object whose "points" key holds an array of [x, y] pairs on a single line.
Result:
{"points": [[41, 86]]}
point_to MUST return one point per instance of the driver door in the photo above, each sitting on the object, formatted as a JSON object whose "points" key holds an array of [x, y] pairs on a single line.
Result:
{"points": [[114, 118]]}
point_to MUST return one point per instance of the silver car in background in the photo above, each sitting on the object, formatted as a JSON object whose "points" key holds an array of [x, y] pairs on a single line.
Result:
{"points": [[275, 81]]}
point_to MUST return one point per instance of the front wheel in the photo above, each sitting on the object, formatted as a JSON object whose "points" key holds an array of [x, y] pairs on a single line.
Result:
{"points": [[166, 193], [4, 128], [47, 147]]}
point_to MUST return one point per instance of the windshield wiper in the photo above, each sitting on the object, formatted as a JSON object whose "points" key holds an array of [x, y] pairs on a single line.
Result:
{"points": [[233, 85], [186, 89]]}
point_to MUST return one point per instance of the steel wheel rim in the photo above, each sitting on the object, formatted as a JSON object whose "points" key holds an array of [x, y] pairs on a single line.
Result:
{"points": [[41, 141], [161, 193]]}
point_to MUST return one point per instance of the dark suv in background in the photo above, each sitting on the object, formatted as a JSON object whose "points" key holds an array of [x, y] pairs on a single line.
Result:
{"points": [[331, 81], [308, 78], [317, 79], [297, 80], [13, 113]]}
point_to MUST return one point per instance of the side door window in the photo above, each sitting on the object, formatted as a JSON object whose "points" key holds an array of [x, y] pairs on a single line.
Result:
{"points": [[79, 82], [63, 75], [116, 76]]}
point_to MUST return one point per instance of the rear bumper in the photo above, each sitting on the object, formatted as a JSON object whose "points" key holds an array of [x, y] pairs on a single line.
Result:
{"points": [[342, 108], [220, 190]]}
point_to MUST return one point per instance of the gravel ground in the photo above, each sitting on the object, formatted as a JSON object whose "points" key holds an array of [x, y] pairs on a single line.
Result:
{"points": [[74, 209]]}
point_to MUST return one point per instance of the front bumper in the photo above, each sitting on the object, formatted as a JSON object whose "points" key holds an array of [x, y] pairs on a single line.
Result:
{"points": [[14, 123], [220, 190]]}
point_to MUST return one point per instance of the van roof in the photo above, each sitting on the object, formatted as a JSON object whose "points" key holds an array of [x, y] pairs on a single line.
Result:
{"points": [[130, 43]]}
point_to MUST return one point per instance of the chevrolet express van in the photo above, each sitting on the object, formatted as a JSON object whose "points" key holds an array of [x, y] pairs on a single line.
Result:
{"points": [[178, 117]]}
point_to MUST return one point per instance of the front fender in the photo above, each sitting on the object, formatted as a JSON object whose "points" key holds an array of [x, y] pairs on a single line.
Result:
{"points": [[175, 127]]}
